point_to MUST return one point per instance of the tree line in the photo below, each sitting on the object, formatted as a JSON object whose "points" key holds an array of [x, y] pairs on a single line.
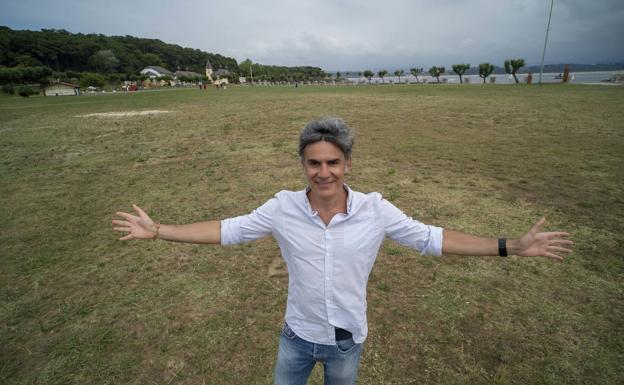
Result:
{"points": [[64, 51], [28, 57], [99, 58], [95, 59], [484, 70], [259, 72]]}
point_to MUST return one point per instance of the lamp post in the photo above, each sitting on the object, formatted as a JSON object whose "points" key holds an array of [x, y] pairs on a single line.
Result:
{"points": [[545, 41]]}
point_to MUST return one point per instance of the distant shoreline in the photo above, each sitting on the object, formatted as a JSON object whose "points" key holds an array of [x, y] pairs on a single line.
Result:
{"points": [[588, 77]]}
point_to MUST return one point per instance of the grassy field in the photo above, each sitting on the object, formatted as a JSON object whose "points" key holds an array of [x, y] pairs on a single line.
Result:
{"points": [[80, 307]]}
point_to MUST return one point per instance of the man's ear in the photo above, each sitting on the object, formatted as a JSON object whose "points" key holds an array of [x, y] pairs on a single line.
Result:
{"points": [[347, 166]]}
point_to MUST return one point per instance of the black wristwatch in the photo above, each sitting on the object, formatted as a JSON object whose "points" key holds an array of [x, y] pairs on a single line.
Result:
{"points": [[502, 247]]}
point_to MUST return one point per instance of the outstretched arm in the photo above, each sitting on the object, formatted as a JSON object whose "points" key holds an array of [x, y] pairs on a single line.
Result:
{"points": [[531, 244], [143, 227]]}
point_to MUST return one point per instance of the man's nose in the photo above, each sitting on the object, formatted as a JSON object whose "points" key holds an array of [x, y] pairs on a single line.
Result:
{"points": [[324, 172]]}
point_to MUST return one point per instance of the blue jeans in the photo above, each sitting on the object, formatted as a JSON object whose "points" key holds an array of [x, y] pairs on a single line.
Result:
{"points": [[296, 359]]}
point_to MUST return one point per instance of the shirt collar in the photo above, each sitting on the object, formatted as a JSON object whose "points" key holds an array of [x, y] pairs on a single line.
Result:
{"points": [[309, 206]]}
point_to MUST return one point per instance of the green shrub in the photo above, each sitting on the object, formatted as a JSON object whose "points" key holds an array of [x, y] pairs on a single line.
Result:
{"points": [[25, 91], [8, 89], [24, 74], [88, 79]]}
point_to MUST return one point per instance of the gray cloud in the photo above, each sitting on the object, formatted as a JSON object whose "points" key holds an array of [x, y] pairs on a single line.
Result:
{"points": [[349, 34]]}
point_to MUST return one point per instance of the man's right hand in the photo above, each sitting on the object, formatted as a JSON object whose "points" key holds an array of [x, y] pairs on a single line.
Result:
{"points": [[137, 227]]}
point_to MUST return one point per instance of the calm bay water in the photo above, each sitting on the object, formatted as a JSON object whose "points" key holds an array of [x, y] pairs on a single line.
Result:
{"points": [[577, 77]]}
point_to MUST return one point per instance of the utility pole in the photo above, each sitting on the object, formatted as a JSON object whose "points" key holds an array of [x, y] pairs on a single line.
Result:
{"points": [[546, 41]]}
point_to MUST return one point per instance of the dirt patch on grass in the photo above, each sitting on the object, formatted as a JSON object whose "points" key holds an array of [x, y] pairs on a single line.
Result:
{"points": [[117, 114]]}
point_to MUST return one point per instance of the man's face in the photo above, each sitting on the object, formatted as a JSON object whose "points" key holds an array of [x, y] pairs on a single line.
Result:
{"points": [[324, 165]]}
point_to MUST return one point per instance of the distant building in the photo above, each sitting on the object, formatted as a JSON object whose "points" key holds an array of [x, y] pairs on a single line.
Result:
{"points": [[219, 77], [156, 72], [208, 70], [222, 73], [187, 74], [187, 77], [61, 89]]}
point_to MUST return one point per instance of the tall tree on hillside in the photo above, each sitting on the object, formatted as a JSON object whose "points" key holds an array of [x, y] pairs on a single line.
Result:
{"points": [[368, 74], [436, 72], [485, 70], [151, 59], [399, 73], [512, 66], [104, 61], [381, 74], [416, 72], [459, 69], [26, 61], [246, 69]]}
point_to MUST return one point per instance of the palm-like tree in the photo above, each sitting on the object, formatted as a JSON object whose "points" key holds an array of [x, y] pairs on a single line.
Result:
{"points": [[416, 72], [485, 70], [381, 74], [512, 66], [459, 69], [399, 73], [436, 72], [368, 74]]}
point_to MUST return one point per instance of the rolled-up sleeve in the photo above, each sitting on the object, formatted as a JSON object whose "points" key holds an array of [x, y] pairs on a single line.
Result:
{"points": [[409, 232], [246, 228]]}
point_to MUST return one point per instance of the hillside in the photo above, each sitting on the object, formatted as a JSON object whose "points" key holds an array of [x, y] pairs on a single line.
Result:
{"points": [[64, 51]]}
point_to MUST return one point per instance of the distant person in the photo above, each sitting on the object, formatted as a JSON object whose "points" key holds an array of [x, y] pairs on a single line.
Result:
{"points": [[329, 236]]}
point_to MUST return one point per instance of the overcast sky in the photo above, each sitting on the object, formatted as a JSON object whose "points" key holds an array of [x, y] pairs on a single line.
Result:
{"points": [[349, 34]]}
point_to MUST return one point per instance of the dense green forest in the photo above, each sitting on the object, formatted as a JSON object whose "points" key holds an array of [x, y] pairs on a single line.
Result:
{"points": [[28, 57], [257, 71], [63, 51]]}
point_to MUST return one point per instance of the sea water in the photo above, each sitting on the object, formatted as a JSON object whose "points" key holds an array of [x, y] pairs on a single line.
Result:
{"points": [[575, 77]]}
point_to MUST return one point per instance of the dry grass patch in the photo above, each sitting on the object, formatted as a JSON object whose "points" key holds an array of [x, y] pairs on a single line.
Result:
{"points": [[79, 306]]}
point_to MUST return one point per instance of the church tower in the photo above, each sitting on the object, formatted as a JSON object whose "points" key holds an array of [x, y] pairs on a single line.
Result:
{"points": [[209, 70]]}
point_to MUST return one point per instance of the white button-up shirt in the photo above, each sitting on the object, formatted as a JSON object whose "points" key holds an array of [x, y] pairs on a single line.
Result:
{"points": [[328, 266]]}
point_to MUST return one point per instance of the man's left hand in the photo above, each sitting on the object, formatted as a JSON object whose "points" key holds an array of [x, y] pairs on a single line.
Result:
{"points": [[536, 244]]}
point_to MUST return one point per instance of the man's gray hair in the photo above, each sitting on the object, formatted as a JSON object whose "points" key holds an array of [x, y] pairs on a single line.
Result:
{"points": [[328, 129]]}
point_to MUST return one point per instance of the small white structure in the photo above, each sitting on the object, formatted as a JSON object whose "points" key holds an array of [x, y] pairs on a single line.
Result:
{"points": [[156, 72], [62, 89]]}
